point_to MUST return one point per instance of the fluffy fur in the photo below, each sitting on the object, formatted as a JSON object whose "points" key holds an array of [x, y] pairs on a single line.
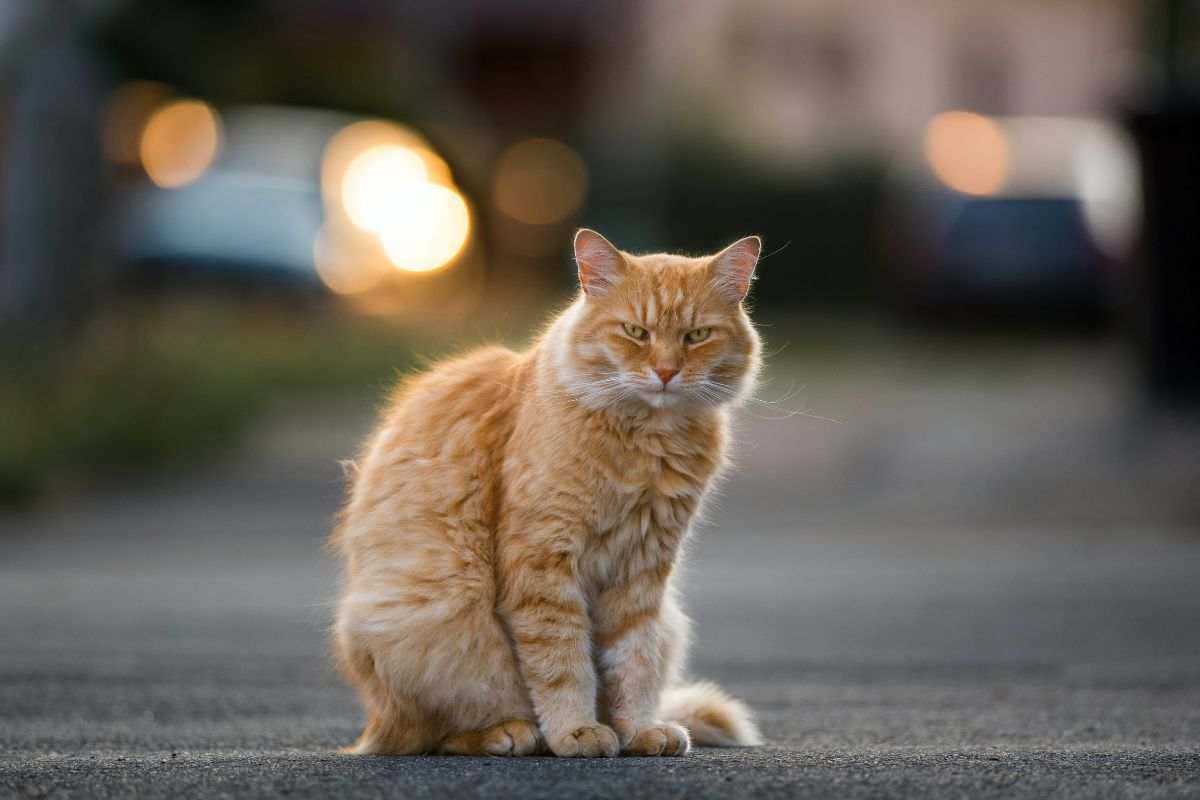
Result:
{"points": [[514, 523]]}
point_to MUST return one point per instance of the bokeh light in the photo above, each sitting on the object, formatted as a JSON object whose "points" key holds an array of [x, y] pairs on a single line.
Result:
{"points": [[1108, 184], [386, 181], [180, 141], [539, 182], [354, 141], [374, 180], [345, 263], [428, 226], [967, 152]]}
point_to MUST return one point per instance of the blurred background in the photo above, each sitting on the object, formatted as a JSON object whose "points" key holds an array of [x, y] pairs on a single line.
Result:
{"points": [[226, 224], [210, 205]]}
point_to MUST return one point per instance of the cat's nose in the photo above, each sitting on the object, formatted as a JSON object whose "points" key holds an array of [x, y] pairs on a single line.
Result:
{"points": [[665, 374]]}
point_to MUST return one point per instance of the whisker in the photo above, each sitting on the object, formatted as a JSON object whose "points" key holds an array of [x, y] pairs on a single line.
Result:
{"points": [[731, 393], [776, 251]]}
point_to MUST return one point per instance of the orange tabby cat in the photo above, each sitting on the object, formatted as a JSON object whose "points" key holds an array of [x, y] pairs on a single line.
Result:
{"points": [[511, 535]]}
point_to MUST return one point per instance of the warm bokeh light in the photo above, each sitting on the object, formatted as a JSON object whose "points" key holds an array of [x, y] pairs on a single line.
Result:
{"points": [[539, 182], [386, 182], [180, 141], [374, 181], [967, 152], [351, 143], [427, 227], [125, 117], [345, 264]]}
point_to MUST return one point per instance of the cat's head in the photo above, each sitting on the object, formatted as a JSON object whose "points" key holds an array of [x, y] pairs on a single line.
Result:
{"points": [[663, 331]]}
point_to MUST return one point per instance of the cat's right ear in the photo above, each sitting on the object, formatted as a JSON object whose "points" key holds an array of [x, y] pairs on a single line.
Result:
{"points": [[601, 265]]}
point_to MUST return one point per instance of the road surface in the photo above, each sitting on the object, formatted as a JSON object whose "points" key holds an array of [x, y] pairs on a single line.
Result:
{"points": [[979, 582]]}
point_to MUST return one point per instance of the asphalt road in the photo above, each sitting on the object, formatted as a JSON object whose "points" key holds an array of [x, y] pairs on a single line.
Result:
{"points": [[971, 586]]}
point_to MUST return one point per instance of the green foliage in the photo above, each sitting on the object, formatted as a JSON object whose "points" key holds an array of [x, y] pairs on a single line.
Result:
{"points": [[153, 391], [820, 228]]}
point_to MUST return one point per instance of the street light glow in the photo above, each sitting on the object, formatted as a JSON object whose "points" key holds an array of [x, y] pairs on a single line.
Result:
{"points": [[967, 152], [180, 142], [427, 227], [384, 181]]}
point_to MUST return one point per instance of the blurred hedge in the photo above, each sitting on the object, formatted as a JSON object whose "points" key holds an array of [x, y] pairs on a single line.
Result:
{"points": [[820, 227], [151, 390]]}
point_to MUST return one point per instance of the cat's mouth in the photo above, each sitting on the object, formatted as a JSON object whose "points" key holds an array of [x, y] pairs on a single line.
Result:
{"points": [[662, 397]]}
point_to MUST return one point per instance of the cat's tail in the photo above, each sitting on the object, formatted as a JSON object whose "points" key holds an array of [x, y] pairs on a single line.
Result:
{"points": [[712, 717]]}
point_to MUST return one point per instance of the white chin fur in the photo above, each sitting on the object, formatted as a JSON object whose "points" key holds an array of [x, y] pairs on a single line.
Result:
{"points": [[661, 399]]}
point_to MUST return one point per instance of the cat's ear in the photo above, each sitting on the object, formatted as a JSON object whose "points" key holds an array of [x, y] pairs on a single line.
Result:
{"points": [[601, 265], [732, 269]]}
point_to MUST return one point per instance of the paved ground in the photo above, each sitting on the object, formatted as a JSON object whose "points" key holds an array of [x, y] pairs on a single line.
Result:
{"points": [[985, 581]]}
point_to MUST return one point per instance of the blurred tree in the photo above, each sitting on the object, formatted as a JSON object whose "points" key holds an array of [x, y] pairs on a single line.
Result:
{"points": [[822, 224], [202, 47], [353, 55]]}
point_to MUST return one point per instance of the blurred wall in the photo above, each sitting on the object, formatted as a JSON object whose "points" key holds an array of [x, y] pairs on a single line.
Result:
{"points": [[799, 80]]}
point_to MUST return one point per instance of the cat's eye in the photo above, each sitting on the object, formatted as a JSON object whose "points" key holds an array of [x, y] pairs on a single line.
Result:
{"points": [[634, 331], [697, 335]]}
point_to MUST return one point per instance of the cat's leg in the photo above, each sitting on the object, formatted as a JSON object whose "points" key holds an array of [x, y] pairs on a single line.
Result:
{"points": [[418, 634], [419, 618], [487, 709], [395, 724], [395, 729], [547, 616], [477, 684], [641, 635], [516, 737]]}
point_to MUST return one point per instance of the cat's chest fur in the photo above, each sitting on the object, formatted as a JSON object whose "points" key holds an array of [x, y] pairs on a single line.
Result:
{"points": [[647, 487]]}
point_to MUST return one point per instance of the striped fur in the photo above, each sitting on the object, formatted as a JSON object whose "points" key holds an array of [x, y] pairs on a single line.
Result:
{"points": [[513, 525]]}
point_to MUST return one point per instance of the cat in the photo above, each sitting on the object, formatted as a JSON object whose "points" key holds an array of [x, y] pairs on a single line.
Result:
{"points": [[514, 522]]}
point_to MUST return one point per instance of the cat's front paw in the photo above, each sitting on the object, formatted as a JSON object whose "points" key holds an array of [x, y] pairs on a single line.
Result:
{"points": [[659, 739], [590, 741]]}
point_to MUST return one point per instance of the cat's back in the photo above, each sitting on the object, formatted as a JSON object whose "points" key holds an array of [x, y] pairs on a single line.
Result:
{"points": [[437, 441], [454, 396], [416, 535]]}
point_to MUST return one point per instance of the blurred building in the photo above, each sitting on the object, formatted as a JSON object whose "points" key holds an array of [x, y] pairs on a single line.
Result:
{"points": [[794, 80], [662, 121]]}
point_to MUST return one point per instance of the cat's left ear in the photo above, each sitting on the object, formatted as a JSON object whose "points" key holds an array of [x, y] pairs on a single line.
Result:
{"points": [[732, 269], [601, 264]]}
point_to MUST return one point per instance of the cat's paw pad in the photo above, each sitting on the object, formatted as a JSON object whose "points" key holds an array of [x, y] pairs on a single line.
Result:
{"points": [[517, 737], [590, 741], [663, 739]]}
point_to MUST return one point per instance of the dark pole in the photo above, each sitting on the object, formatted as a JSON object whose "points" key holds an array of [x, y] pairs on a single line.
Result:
{"points": [[52, 187], [1167, 130]]}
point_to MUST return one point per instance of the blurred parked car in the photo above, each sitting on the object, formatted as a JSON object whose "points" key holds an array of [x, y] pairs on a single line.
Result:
{"points": [[305, 197], [1025, 217]]}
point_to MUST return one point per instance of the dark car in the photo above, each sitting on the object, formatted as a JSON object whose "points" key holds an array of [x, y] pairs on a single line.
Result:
{"points": [[1038, 234]]}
